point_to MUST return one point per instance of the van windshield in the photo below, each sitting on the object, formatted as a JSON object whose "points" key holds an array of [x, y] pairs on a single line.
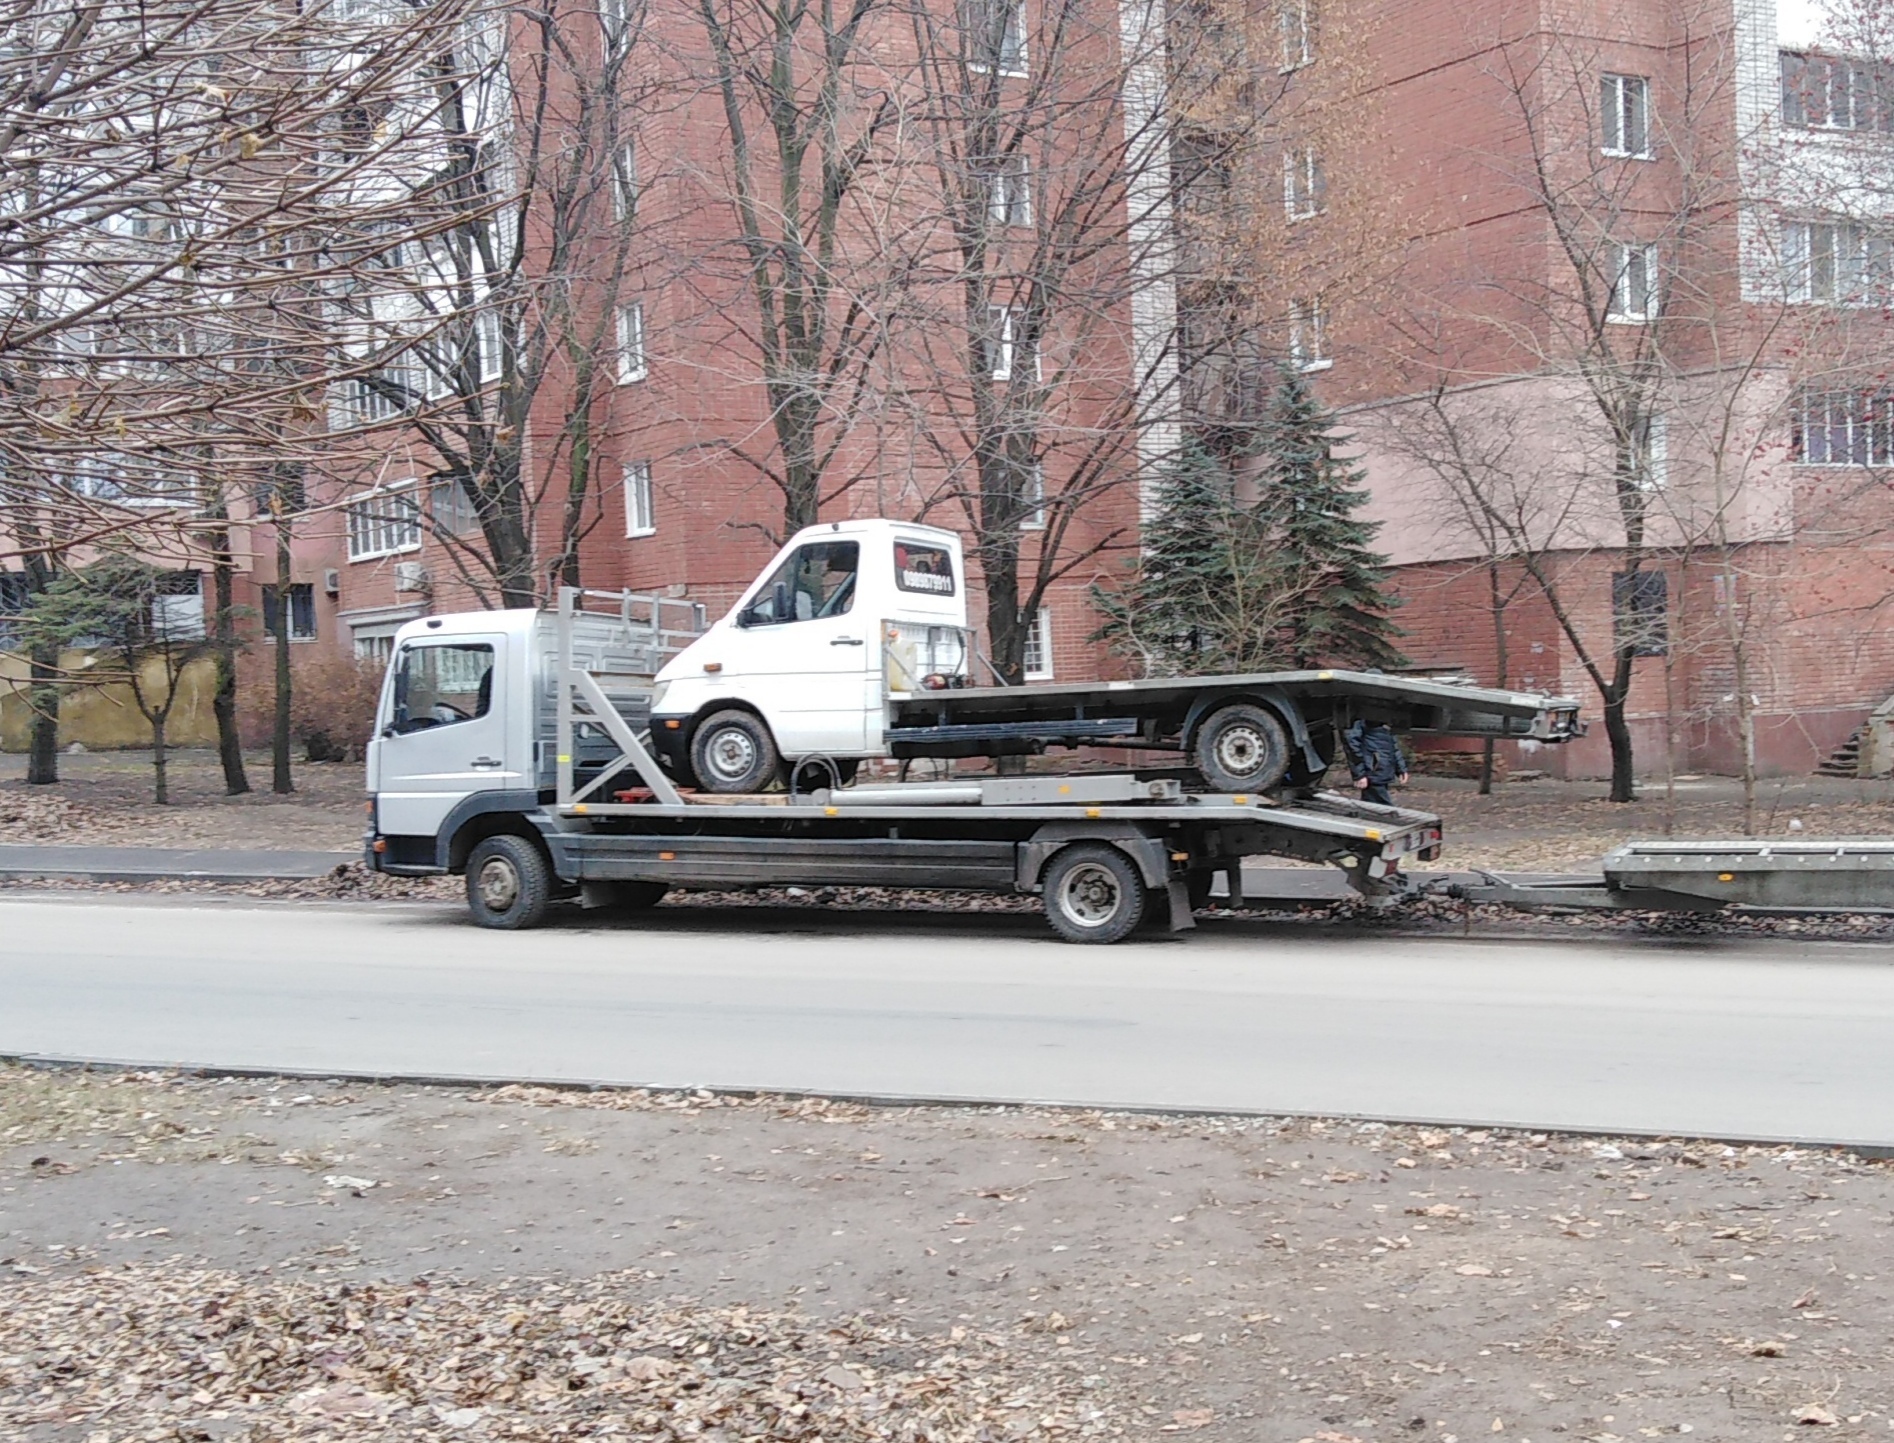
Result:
{"points": [[814, 581]]}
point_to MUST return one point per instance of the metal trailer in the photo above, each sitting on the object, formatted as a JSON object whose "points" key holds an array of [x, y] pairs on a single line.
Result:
{"points": [[1100, 848], [1714, 876]]}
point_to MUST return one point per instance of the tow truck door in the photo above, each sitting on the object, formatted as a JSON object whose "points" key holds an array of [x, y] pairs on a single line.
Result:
{"points": [[443, 731]]}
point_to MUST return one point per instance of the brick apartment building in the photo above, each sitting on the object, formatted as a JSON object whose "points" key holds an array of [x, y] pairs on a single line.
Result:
{"points": [[1656, 206], [1698, 201]]}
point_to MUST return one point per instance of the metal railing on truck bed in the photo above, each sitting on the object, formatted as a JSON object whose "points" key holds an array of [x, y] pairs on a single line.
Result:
{"points": [[599, 663]]}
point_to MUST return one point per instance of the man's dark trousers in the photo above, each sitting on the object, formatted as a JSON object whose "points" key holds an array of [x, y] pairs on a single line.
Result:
{"points": [[1377, 792]]}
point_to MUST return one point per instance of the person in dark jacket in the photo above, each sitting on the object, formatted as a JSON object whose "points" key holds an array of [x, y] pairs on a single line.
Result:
{"points": [[1374, 759]]}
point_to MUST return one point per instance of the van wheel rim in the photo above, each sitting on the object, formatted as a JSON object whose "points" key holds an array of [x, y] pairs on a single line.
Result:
{"points": [[732, 754], [1240, 749], [499, 884], [1091, 895]]}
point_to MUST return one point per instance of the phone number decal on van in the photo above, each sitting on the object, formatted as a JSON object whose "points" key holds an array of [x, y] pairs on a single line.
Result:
{"points": [[928, 569]]}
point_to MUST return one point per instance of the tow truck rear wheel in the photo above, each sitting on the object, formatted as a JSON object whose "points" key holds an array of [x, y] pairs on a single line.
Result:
{"points": [[1093, 894], [509, 883], [732, 751], [1241, 747]]}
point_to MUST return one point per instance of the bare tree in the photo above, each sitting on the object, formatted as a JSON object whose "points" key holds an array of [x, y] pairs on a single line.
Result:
{"points": [[172, 185]]}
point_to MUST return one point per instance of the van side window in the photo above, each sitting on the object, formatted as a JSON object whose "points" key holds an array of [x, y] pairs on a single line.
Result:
{"points": [[928, 569], [815, 581], [442, 683]]}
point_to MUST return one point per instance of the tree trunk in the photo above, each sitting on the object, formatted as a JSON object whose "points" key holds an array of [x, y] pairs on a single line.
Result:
{"points": [[1496, 603], [1618, 730], [160, 791], [224, 703], [281, 782], [42, 759]]}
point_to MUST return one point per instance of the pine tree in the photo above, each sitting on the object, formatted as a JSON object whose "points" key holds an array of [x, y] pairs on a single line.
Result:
{"points": [[1211, 594], [1338, 615]]}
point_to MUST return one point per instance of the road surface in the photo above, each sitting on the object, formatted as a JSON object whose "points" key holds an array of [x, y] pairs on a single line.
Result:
{"points": [[1753, 1040]]}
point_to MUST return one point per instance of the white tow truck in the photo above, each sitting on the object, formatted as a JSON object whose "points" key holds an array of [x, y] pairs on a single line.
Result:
{"points": [[516, 747]]}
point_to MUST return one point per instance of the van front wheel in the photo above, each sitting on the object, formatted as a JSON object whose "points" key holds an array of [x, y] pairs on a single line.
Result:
{"points": [[509, 883], [733, 751]]}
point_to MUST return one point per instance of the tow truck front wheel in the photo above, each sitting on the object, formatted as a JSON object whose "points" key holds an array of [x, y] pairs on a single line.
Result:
{"points": [[509, 883], [1241, 748], [1094, 894], [732, 751]]}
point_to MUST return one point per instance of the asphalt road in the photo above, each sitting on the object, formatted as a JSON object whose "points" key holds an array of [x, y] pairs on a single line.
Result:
{"points": [[1743, 1040]]}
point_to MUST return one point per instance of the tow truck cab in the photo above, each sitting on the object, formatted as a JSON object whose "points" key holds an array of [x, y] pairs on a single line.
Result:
{"points": [[846, 615]]}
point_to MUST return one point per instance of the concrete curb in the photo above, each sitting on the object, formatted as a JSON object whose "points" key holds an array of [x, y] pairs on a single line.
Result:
{"points": [[165, 864]]}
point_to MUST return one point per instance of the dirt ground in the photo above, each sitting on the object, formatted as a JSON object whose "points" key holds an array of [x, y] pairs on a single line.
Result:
{"points": [[252, 1259], [105, 798]]}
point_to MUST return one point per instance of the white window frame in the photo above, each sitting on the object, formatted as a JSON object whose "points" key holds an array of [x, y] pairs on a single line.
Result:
{"points": [[1308, 335], [1297, 18], [1831, 261], [1621, 99], [1623, 258], [489, 345], [1012, 60], [641, 512], [631, 352], [1009, 191], [625, 182], [1652, 453], [372, 534], [1856, 428], [1039, 639], [1303, 183], [1033, 503]]}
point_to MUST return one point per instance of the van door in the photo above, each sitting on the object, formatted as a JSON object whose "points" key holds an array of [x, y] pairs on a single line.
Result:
{"points": [[800, 652], [445, 733]]}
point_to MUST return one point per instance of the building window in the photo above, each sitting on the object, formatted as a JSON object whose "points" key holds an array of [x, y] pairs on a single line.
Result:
{"points": [[1624, 114], [1008, 191], [1006, 344], [1037, 662], [452, 509], [625, 182], [1836, 263], [1303, 184], [997, 35], [641, 516], [631, 363], [1640, 607], [1650, 453], [1825, 92], [489, 344], [1842, 428], [1308, 335], [1032, 501], [302, 611], [1298, 33], [377, 647], [385, 523], [1633, 270]]}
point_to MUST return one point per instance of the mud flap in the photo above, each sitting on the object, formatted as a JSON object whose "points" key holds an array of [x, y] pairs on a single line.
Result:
{"points": [[1181, 918]]}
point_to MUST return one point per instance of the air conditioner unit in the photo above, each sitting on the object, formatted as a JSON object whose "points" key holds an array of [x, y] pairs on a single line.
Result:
{"points": [[410, 576], [332, 581]]}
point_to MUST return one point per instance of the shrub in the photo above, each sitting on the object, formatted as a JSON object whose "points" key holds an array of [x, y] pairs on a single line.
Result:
{"points": [[332, 701]]}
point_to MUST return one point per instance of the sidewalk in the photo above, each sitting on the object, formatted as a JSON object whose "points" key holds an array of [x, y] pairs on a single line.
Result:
{"points": [[164, 864]]}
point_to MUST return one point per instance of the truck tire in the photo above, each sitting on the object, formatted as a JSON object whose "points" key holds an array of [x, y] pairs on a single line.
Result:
{"points": [[509, 883], [1093, 894], [1241, 748], [732, 751]]}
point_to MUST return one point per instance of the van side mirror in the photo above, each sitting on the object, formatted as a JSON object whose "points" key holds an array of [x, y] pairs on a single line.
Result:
{"points": [[780, 602]]}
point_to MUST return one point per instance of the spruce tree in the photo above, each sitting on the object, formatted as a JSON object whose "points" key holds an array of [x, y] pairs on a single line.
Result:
{"points": [[1338, 614], [1210, 591]]}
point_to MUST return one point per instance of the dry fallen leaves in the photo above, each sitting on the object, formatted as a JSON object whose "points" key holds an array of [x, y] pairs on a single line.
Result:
{"points": [[166, 1347]]}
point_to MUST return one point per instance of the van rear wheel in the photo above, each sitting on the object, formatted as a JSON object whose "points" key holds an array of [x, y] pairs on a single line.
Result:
{"points": [[732, 751], [1241, 748], [509, 883]]}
